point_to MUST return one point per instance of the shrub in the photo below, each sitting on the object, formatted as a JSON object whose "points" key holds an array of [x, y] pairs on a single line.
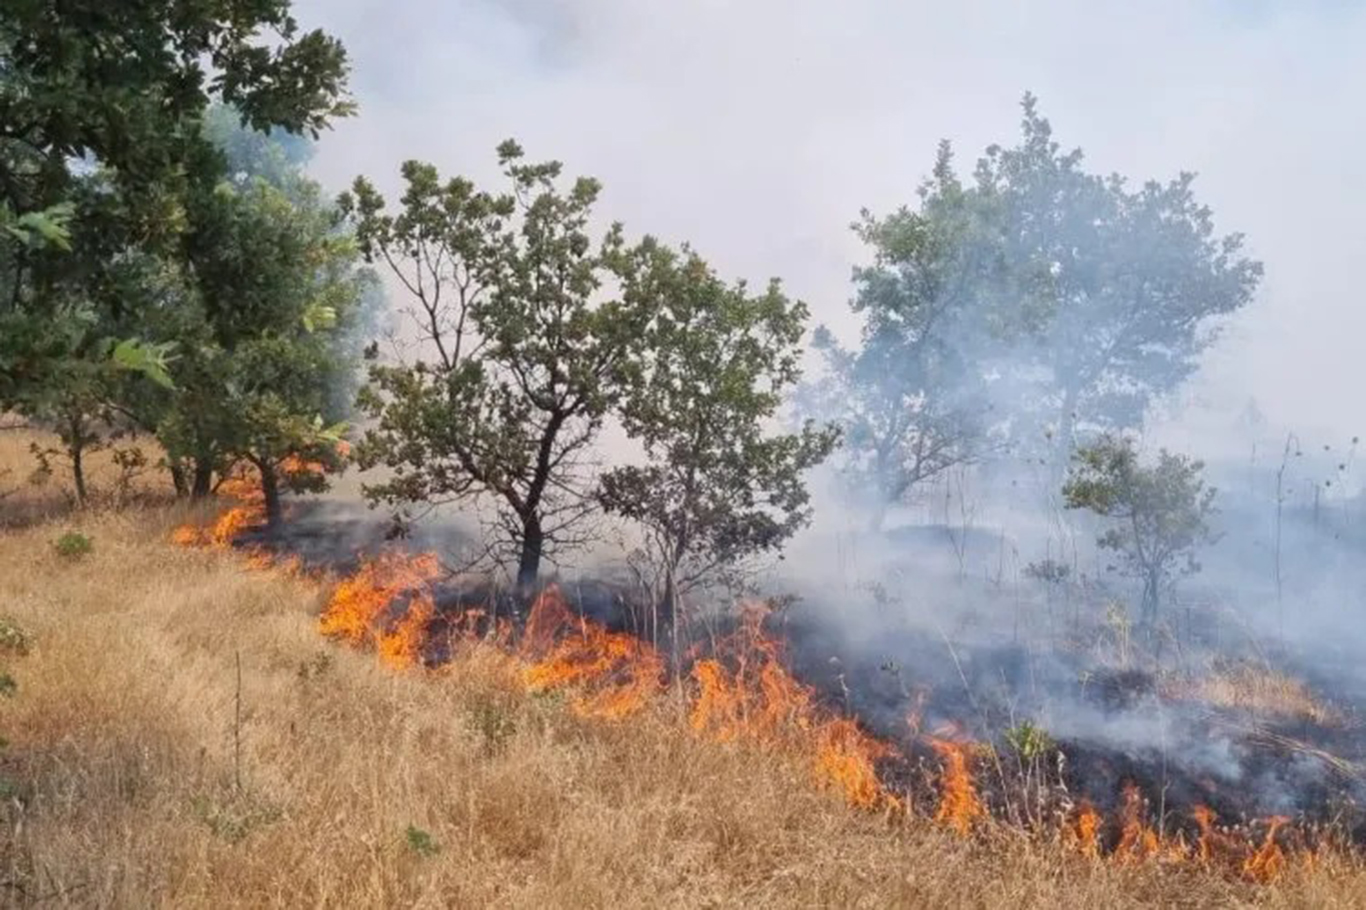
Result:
{"points": [[73, 545]]}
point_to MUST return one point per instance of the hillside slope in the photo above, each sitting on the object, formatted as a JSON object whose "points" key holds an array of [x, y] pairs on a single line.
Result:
{"points": [[138, 772]]}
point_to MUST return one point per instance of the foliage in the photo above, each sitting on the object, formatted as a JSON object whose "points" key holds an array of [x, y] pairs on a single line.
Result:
{"points": [[709, 375], [1160, 513], [276, 281], [118, 91], [73, 545], [1133, 279], [518, 360], [1008, 311], [1048, 571], [1029, 741], [421, 842], [13, 639]]}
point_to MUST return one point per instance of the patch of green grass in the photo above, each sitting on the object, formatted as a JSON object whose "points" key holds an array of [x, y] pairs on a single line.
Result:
{"points": [[13, 639], [73, 545], [420, 842], [234, 820]]}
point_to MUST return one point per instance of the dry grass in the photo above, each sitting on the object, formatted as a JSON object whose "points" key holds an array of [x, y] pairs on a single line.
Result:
{"points": [[360, 787], [1258, 689]]}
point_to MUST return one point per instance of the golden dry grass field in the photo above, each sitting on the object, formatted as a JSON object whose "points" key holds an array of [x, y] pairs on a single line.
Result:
{"points": [[137, 771]]}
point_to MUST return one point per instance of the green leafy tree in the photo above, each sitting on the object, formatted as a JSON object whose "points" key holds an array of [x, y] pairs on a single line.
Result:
{"points": [[70, 374], [913, 399], [1160, 513], [716, 487], [1135, 282], [276, 279], [517, 357], [1032, 300]]}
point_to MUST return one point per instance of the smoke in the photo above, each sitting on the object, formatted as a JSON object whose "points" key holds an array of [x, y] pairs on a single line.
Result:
{"points": [[758, 131]]}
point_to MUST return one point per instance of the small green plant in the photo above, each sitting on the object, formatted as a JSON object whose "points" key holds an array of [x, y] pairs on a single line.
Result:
{"points": [[13, 640], [8, 687], [420, 842], [494, 722], [73, 545], [1048, 571], [233, 821], [1029, 741], [1160, 513]]}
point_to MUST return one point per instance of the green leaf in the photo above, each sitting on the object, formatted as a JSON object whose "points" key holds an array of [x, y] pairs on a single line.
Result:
{"points": [[150, 360]]}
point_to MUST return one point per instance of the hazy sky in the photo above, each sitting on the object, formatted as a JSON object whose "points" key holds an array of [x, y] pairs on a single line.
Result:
{"points": [[757, 129]]}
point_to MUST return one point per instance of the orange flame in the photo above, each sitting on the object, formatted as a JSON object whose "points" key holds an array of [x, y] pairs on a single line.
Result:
{"points": [[359, 603], [1269, 860], [1087, 831], [1205, 818], [1136, 840], [959, 805], [403, 646], [846, 758], [760, 701], [619, 673]]}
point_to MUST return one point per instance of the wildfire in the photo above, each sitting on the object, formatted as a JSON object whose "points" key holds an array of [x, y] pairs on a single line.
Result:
{"points": [[1269, 860], [403, 646], [959, 805], [741, 691], [1204, 817], [358, 605], [1087, 831], [760, 701], [619, 673], [846, 757], [1137, 841]]}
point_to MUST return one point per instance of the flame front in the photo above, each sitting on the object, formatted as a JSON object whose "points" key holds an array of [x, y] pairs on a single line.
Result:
{"points": [[1269, 860], [1136, 840], [1087, 831], [742, 691], [359, 604], [959, 805], [618, 673]]}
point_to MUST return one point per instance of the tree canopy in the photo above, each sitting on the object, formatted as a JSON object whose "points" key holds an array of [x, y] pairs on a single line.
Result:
{"points": [[519, 352], [1009, 312], [1159, 513], [715, 361]]}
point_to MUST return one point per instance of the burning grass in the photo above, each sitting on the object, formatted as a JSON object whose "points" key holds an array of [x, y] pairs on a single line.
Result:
{"points": [[739, 690], [139, 772]]}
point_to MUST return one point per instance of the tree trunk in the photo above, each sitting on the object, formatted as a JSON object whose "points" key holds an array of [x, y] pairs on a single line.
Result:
{"points": [[1065, 442], [1151, 583], [182, 488], [78, 469], [529, 565], [878, 517], [270, 488], [203, 479]]}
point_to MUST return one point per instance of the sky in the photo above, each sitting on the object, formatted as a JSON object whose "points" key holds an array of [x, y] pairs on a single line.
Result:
{"points": [[757, 131]]}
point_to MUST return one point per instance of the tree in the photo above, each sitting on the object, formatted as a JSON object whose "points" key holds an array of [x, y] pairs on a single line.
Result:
{"points": [[912, 400], [122, 88], [1031, 301], [276, 280], [1161, 512], [715, 360], [518, 358], [1133, 282]]}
